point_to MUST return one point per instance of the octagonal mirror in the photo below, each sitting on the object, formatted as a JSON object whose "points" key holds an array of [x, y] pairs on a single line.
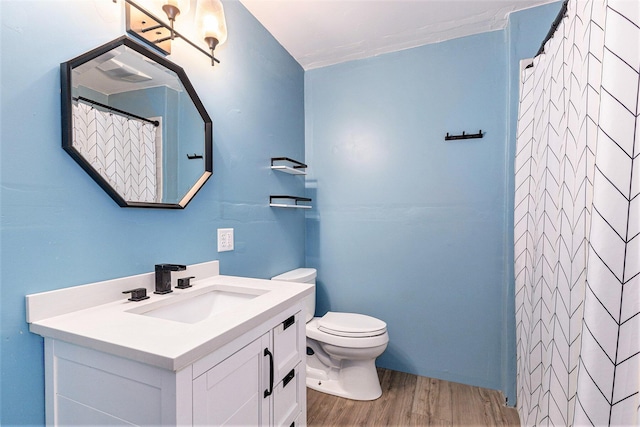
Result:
{"points": [[133, 121]]}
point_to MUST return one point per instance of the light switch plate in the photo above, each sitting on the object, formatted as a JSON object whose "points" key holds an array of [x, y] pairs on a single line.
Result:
{"points": [[225, 239]]}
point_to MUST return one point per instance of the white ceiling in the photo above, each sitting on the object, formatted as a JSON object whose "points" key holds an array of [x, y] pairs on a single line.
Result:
{"points": [[318, 33]]}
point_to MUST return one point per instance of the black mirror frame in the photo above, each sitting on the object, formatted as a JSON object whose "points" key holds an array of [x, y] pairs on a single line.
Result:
{"points": [[67, 125]]}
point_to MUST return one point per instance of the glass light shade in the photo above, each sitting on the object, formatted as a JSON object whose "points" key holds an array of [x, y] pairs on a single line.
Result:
{"points": [[210, 20]]}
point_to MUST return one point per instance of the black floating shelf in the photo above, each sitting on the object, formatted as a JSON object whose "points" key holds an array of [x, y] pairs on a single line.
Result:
{"points": [[280, 201], [194, 156], [287, 165], [463, 136]]}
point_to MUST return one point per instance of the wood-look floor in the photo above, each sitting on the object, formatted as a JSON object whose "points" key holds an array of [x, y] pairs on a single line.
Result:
{"points": [[410, 400]]}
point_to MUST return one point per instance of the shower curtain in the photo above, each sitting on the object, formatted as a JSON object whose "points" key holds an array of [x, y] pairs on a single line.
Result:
{"points": [[121, 149], [577, 221]]}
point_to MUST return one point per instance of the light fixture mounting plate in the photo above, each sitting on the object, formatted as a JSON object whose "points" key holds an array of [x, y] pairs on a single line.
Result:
{"points": [[148, 29]]}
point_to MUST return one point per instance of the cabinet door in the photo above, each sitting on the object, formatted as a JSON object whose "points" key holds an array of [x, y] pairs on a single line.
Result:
{"points": [[231, 393], [288, 345]]}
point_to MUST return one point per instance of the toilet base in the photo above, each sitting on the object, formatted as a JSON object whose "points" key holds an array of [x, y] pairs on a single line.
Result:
{"points": [[356, 381]]}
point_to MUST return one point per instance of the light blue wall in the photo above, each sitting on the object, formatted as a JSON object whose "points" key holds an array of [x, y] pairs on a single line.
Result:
{"points": [[410, 228], [60, 229]]}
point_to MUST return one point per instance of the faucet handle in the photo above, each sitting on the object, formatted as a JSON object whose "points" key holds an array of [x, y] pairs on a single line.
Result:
{"points": [[137, 294], [184, 282]]}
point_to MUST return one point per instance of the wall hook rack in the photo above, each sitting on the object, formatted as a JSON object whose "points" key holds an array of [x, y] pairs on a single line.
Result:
{"points": [[194, 156], [464, 136]]}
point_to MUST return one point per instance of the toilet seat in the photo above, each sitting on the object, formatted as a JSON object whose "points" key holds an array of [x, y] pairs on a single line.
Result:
{"points": [[351, 325], [314, 333]]}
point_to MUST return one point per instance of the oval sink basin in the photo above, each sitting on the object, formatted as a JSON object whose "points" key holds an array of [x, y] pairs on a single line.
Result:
{"points": [[198, 306]]}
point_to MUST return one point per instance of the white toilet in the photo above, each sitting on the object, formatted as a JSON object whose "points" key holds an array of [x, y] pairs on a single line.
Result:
{"points": [[341, 347]]}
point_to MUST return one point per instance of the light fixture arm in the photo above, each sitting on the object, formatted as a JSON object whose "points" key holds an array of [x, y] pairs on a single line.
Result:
{"points": [[139, 33]]}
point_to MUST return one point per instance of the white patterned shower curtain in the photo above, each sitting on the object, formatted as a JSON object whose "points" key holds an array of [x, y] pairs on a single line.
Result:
{"points": [[120, 149], [577, 221]]}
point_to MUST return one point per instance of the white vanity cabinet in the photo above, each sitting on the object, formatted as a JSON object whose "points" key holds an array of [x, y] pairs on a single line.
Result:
{"points": [[258, 379], [261, 384]]}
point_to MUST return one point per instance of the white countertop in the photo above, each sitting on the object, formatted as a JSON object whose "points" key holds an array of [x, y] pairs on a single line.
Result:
{"points": [[111, 328]]}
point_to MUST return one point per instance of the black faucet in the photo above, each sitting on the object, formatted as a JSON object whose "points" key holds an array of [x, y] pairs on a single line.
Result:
{"points": [[163, 277]]}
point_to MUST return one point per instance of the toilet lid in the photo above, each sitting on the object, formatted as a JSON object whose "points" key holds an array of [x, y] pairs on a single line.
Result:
{"points": [[351, 325]]}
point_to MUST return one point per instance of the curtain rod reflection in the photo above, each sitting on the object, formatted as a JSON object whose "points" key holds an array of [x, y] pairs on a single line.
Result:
{"points": [[92, 102]]}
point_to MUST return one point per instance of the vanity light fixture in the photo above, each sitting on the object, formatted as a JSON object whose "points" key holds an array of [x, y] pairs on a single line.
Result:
{"points": [[211, 24], [148, 28]]}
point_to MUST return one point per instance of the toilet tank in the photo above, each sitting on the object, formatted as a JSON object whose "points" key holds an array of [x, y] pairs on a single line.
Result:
{"points": [[302, 275]]}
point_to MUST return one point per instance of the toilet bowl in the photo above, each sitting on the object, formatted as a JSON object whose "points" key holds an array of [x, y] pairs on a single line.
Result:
{"points": [[341, 348]]}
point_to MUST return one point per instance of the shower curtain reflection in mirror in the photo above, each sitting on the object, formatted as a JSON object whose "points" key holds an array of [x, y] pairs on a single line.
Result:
{"points": [[125, 151]]}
